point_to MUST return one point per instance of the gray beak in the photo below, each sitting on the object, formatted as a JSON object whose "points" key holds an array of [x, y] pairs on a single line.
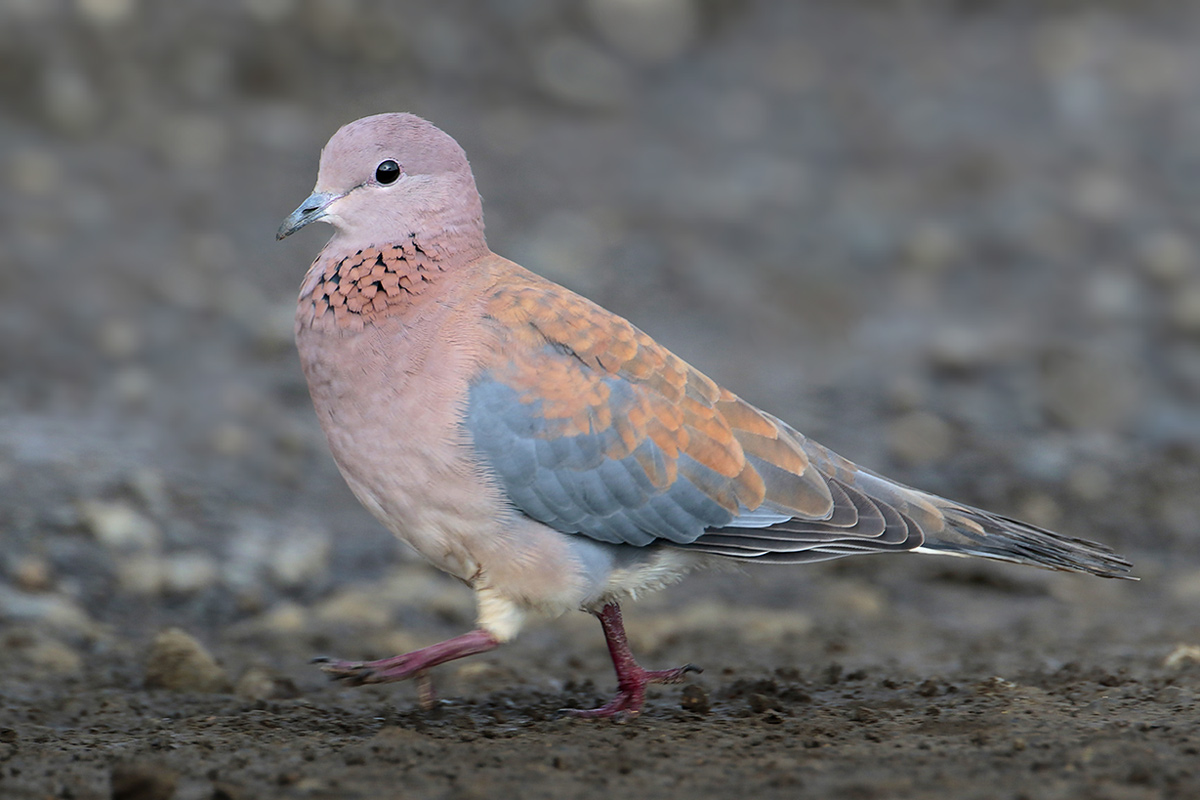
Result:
{"points": [[310, 210]]}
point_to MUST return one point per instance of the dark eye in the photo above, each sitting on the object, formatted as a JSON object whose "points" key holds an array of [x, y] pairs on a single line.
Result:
{"points": [[387, 172]]}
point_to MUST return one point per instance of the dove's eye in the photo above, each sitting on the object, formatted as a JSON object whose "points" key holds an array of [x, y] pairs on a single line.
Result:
{"points": [[387, 172]]}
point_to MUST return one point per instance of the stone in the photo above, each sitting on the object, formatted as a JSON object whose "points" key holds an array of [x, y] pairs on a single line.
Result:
{"points": [[179, 662], [260, 683], [143, 780], [118, 525]]}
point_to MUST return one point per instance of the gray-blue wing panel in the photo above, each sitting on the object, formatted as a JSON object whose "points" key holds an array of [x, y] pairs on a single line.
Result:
{"points": [[568, 483]]}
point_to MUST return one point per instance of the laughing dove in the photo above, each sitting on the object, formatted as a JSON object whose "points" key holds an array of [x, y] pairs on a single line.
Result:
{"points": [[545, 451]]}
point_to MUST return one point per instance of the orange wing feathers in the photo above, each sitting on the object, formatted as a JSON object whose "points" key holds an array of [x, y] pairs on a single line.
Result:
{"points": [[564, 352]]}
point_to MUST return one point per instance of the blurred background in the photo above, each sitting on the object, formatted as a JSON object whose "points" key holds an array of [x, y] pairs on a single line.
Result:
{"points": [[956, 241]]}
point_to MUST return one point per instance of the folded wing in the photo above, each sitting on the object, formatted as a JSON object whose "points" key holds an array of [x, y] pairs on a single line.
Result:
{"points": [[592, 428]]}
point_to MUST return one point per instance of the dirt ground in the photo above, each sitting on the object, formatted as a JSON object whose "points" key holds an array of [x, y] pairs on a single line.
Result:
{"points": [[956, 241]]}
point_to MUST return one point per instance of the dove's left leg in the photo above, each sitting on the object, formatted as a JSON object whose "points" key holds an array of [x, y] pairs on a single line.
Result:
{"points": [[398, 668], [499, 620], [632, 679]]}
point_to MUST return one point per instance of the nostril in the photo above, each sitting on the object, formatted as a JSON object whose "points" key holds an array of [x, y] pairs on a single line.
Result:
{"points": [[310, 209]]}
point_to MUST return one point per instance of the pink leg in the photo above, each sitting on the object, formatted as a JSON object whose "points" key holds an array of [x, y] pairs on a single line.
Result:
{"points": [[631, 678], [397, 668]]}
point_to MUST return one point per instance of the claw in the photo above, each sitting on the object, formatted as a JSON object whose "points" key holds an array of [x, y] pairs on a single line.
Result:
{"points": [[351, 673]]}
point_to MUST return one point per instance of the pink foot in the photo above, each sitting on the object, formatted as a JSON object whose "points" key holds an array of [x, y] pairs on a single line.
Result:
{"points": [[632, 680], [631, 692], [397, 668]]}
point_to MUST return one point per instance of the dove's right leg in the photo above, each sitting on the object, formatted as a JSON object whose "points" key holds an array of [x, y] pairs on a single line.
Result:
{"points": [[632, 679]]}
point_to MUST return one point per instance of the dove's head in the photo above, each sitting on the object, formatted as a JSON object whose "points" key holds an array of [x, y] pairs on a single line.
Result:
{"points": [[390, 177]]}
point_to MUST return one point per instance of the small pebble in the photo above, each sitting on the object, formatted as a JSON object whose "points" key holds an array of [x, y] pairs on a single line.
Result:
{"points": [[119, 525], [863, 715], [142, 781], [260, 683], [177, 661], [50, 658], [760, 703], [187, 573], [1182, 655], [33, 574], [300, 558], [45, 609], [693, 698], [141, 574], [960, 349], [1168, 695], [283, 620]]}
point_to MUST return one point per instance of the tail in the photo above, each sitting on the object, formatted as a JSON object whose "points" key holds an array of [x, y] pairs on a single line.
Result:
{"points": [[874, 514], [956, 529], [974, 532]]}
